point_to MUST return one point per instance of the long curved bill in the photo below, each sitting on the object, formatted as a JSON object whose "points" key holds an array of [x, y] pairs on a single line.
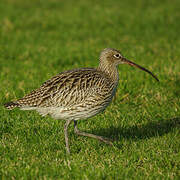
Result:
{"points": [[140, 67]]}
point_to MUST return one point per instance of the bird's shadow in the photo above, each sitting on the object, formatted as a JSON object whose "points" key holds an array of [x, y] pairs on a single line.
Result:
{"points": [[135, 132]]}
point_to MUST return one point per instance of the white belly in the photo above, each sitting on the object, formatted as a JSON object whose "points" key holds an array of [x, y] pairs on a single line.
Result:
{"points": [[74, 113]]}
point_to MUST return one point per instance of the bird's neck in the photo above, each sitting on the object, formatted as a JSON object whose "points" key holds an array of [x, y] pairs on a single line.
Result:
{"points": [[110, 70]]}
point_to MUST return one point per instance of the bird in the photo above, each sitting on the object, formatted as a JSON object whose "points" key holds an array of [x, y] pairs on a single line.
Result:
{"points": [[78, 94]]}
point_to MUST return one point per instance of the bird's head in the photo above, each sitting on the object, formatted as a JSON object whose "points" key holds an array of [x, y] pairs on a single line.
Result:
{"points": [[113, 57]]}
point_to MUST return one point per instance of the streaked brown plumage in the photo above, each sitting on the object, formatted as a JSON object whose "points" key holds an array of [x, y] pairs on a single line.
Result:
{"points": [[77, 94]]}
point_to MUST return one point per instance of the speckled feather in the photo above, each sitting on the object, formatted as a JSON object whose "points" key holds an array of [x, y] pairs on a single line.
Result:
{"points": [[84, 90]]}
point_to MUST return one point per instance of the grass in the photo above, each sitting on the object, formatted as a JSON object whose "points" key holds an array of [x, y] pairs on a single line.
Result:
{"points": [[39, 39]]}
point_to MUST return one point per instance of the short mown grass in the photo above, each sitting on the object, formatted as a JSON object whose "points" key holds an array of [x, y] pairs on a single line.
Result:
{"points": [[39, 39]]}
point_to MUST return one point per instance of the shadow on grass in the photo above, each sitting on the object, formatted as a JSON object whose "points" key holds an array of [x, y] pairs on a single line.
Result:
{"points": [[151, 129]]}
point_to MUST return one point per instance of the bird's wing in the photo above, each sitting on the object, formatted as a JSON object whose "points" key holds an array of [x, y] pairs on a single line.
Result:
{"points": [[67, 89]]}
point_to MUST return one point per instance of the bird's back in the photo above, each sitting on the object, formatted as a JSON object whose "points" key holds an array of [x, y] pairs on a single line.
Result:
{"points": [[81, 92]]}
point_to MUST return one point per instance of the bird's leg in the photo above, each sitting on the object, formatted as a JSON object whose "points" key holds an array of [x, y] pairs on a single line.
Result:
{"points": [[66, 135], [101, 138]]}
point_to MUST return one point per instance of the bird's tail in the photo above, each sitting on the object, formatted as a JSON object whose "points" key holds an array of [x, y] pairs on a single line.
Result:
{"points": [[11, 105]]}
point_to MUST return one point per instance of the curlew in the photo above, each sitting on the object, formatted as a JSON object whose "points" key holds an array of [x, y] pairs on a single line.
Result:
{"points": [[78, 94]]}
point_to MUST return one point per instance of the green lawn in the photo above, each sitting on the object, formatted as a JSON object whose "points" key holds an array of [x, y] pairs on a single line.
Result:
{"points": [[40, 38]]}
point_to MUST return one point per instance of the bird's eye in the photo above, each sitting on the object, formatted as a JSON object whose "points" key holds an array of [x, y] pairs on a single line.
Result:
{"points": [[117, 55]]}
